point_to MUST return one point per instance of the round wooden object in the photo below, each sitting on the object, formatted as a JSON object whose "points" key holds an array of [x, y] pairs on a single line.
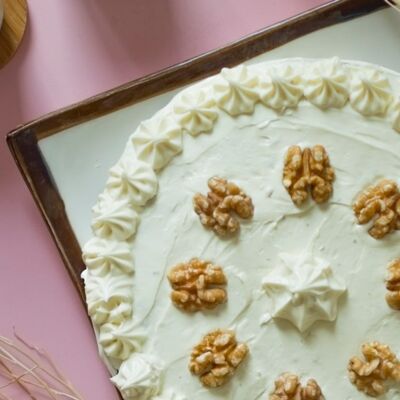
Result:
{"points": [[13, 28]]}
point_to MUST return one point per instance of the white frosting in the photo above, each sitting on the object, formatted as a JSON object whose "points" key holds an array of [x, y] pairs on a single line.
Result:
{"points": [[133, 179], [103, 257], [326, 84], [303, 290], [196, 112], [120, 340], [235, 90], [370, 92], [156, 141], [114, 218], [109, 299], [280, 87], [139, 377], [249, 150], [170, 395]]}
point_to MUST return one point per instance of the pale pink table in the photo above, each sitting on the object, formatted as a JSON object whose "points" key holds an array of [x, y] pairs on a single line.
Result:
{"points": [[74, 49]]}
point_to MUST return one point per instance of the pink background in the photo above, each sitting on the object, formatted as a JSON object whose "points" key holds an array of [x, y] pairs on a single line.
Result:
{"points": [[74, 49]]}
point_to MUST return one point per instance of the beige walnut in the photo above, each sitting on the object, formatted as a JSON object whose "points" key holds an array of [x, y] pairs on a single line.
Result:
{"points": [[308, 170], [216, 357], [380, 365], [380, 204], [393, 284], [217, 210], [197, 285], [288, 387]]}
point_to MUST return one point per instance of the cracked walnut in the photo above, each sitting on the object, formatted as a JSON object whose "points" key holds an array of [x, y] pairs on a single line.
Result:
{"points": [[216, 357], [288, 387], [196, 285], [393, 284], [379, 203], [222, 201], [379, 366], [308, 170]]}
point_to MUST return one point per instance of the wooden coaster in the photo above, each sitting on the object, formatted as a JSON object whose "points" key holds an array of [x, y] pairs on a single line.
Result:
{"points": [[13, 28]]}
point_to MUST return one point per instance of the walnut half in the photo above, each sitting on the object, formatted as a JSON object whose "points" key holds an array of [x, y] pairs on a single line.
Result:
{"points": [[216, 357], [288, 387], [217, 209], [379, 366], [393, 284], [379, 203], [196, 285], [308, 170]]}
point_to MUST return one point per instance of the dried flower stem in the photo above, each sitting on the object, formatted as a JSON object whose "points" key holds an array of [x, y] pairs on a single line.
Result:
{"points": [[394, 4], [33, 371], [14, 379], [17, 363], [60, 378]]}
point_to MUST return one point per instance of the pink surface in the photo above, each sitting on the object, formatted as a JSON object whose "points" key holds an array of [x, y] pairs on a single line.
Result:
{"points": [[74, 49]]}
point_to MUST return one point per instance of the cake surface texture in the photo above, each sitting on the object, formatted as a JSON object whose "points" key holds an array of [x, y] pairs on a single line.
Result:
{"points": [[247, 230]]}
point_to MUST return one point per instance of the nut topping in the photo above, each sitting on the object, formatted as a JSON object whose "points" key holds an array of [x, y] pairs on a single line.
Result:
{"points": [[224, 199], [393, 284], [380, 365], [379, 203], [216, 357], [308, 170], [196, 284], [288, 387]]}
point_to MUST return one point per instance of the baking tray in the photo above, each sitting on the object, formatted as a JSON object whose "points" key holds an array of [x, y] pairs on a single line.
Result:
{"points": [[64, 156]]}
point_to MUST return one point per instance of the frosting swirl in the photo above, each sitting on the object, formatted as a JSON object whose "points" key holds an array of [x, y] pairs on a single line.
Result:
{"points": [[139, 377], [280, 88], [119, 340], [303, 290], [370, 92], [114, 218], [156, 141], [103, 257], [196, 112], [108, 298], [235, 90], [326, 84], [132, 178]]}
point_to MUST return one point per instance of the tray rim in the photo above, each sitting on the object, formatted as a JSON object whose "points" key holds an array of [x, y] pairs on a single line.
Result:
{"points": [[23, 141]]}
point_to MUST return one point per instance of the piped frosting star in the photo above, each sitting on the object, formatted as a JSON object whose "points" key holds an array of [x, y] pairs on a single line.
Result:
{"points": [[303, 290]]}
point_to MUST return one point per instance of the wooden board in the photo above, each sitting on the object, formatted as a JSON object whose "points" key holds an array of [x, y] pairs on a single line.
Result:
{"points": [[13, 28], [23, 142]]}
